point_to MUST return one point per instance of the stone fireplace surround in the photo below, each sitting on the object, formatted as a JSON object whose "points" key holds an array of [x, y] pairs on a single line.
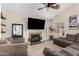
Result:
{"points": [[35, 37]]}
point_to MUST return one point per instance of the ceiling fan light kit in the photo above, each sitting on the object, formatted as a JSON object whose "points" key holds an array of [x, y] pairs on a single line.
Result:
{"points": [[50, 5]]}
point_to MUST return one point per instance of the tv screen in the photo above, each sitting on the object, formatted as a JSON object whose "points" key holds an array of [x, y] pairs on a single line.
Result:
{"points": [[36, 23]]}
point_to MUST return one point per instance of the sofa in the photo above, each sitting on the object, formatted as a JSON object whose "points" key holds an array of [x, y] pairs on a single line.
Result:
{"points": [[4, 41], [63, 52], [64, 42], [69, 40], [70, 46], [16, 40], [8, 49]]}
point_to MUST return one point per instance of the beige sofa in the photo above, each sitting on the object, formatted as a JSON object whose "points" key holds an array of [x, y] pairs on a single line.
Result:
{"points": [[8, 49]]}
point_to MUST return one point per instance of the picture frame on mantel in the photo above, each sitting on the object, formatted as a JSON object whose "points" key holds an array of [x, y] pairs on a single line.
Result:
{"points": [[73, 25]]}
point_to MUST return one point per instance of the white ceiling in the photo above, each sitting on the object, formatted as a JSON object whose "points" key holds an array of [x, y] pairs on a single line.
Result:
{"points": [[30, 9]]}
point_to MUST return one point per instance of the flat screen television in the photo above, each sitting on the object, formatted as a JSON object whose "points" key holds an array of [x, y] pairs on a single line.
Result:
{"points": [[34, 23]]}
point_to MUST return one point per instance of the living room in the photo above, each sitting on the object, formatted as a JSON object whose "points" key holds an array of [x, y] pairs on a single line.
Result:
{"points": [[57, 22]]}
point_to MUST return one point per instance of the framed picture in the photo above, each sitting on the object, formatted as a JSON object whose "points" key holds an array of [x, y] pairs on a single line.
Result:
{"points": [[73, 22], [60, 28], [17, 30]]}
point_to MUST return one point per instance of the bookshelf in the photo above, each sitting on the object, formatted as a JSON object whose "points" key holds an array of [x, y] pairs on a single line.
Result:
{"points": [[3, 20]]}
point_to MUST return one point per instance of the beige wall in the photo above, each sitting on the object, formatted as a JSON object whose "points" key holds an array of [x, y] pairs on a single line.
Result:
{"points": [[14, 18], [0, 29], [0, 21], [64, 17], [22, 19], [19, 13]]}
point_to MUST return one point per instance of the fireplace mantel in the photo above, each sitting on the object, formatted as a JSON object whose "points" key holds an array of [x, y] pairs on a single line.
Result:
{"points": [[43, 34]]}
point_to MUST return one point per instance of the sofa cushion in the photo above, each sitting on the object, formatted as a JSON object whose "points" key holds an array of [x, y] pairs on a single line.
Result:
{"points": [[77, 38], [75, 46], [6, 49], [50, 52], [70, 37], [19, 49], [47, 52], [78, 54], [3, 41], [71, 51], [65, 53], [4, 54], [62, 42], [66, 41]]}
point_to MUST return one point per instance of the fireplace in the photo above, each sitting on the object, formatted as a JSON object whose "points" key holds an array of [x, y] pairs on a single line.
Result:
{"points": [[35, 38]]}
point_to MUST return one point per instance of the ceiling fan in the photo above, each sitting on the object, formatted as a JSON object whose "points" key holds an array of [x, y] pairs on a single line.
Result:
{"points": [[50, 5]]}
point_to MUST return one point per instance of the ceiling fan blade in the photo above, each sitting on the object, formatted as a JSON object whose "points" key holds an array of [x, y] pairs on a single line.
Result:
{"points": [[41, 8], [53, 3], [45, 4], [50, 4], [55, 7]]}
